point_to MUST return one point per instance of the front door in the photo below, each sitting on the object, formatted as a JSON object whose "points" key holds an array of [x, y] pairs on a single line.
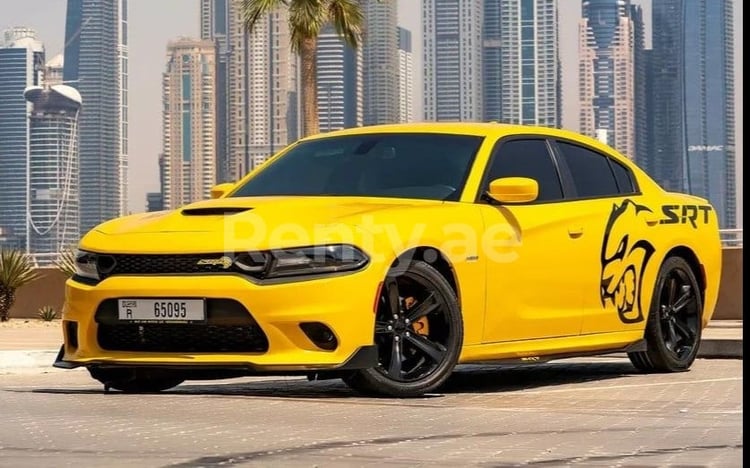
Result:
{"points": [[532, 251]]}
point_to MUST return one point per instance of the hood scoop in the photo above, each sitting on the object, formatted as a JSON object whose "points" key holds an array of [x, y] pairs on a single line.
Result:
{"points": [[214, 211]]}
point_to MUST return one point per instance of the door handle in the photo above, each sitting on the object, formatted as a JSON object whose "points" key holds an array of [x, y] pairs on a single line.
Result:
{"points": [[575, 231]]}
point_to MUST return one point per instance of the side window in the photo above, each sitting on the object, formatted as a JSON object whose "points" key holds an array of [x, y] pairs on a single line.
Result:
{"points": [[623, 177], [591, 173], [528, 158]]}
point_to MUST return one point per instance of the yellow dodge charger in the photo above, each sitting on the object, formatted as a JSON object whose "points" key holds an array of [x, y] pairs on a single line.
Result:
{"points": [[387, 255]]}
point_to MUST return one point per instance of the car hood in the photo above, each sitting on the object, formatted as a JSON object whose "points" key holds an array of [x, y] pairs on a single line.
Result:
{"points": [[226, 223]]}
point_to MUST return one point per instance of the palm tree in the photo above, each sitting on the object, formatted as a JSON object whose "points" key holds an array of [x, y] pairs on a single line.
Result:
{"points": [[306, 20], [15, 271]]}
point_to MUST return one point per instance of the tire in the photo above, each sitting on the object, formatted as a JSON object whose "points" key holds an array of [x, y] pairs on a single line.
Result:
{"points": [[673, 330], [136, 380], [428, 335]]}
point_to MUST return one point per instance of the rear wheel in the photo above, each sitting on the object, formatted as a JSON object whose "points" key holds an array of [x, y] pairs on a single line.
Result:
{"points": [[136, 380], [673, 331], [418, 332]]}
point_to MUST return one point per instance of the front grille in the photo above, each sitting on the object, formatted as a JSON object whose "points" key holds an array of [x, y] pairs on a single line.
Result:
{"points": [[158, 264], [229, 328]]}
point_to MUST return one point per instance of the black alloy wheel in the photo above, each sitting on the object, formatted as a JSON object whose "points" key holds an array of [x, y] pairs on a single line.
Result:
{"points": [[418, 332], [673, 331]]}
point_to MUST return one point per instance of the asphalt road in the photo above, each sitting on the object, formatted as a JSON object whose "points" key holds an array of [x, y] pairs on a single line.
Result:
{"points": [[593, 412]]}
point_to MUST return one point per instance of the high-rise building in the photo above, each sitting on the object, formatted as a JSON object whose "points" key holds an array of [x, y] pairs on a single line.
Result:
{"points": [[610, 47], [380, 58], [452, 59], [53, 213], [218, 20], [96, 65], [693, 108], [521, 62], [405, 76], [339, 82], [256, 91], [189, 122], [21, 66], [272, 87]]}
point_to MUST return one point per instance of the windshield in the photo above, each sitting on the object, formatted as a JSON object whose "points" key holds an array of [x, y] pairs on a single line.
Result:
{"points": [[401, 165]]}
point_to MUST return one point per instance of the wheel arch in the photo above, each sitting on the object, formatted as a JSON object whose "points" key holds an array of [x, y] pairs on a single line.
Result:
{"points": [[687, 254], [436, 259]]}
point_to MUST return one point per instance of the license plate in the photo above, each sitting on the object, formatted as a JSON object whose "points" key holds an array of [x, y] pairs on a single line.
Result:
{"points": [[162, 310]]}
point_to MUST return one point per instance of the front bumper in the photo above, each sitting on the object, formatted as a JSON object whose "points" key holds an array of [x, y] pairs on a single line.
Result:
{"points": [[342, 303]]}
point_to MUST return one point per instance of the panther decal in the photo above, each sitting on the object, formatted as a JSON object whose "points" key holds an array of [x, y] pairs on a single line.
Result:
{"points": [[624, 261]]}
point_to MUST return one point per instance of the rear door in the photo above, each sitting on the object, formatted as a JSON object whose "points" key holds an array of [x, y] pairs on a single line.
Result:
{"points": [[610, 213]]}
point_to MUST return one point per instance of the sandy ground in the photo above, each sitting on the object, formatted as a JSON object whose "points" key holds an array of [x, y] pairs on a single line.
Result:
{"points": [[30, 323]]}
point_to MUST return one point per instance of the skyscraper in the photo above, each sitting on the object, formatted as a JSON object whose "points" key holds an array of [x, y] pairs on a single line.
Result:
{"points": [[693, 108], [610, 47], [339, 82], [380, 55], [53, 204], [21, 66], [405, 76], [189, 122], [256, 90], [272, 87], [521, 62], [96, 65], [452, 59]]}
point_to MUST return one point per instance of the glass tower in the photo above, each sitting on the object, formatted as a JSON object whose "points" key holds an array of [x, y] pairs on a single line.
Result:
{"points": [[96, 65], [693, 106], [21, 66]]}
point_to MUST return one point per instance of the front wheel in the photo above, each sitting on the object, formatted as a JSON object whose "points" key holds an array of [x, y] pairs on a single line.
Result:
{"points": [[673, 331], [136, 380], [418, 332]]}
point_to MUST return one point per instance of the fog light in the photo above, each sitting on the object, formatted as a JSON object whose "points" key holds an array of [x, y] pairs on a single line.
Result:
{"points": [[320, 335]]}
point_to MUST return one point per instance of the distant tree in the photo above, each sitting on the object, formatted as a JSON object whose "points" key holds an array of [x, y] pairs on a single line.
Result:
{"points": [[306, 20]]}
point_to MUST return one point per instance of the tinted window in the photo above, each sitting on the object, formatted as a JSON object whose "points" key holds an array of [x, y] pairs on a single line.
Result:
{"points": [[590, 170], [406, 165], [623, 177], [528, 158]]}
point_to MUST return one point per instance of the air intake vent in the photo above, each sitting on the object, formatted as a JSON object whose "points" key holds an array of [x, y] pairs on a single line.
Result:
{"points": [[214, 211]]}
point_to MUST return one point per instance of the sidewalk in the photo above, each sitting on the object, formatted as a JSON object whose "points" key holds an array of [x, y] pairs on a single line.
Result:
{"points": [[34, 344]]}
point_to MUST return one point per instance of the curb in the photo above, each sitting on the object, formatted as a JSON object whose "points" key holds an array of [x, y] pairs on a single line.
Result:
{"points": [[720, 349]]}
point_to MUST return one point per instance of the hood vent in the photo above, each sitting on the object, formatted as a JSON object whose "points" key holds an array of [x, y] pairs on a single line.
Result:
{"points": [[214, 211]]}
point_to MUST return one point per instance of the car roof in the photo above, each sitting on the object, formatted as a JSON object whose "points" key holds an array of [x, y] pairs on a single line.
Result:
{"points": [[483, 129]]}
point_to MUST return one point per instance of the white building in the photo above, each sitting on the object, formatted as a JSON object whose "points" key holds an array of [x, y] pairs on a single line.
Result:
{"points": [[405, 76], [452, 59], [340, 85], [380, 62], [256, 89], [53, 216], [521, 70]]}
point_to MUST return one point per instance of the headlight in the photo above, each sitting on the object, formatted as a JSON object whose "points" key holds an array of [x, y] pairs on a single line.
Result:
{"points": [[314, 260], [86, 265]]}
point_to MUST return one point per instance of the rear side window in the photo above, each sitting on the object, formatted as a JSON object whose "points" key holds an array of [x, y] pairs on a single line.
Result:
{"points": [[591, 172], [527, 158], [624, 177]]}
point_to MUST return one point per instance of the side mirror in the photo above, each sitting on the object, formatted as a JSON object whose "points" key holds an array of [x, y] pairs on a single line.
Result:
{"points": [[514, 190], [218, 191]]}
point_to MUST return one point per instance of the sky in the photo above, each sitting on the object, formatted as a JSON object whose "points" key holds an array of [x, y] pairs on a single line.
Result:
{"points": [[154, 22]]}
